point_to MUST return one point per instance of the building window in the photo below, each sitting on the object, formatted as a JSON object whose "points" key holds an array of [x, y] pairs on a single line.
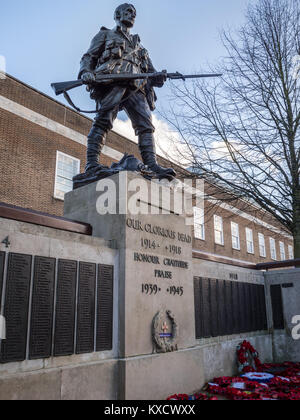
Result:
{"points": [[199, 229], [235, 233], [273, 249], [219, 233], [282, 251], [66, 168], [291, 252], [262, 245], [250, 242]]}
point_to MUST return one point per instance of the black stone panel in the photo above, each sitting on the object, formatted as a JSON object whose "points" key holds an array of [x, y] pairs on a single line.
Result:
{"points": [[256, 307], [2, 261], [253, 307], [214, 307], [243, 307], [248, 307], [86, 308], [260, 309], [236, 307], [229, 308], [40, 344], [206, 308], [277, 307], [264, 307], [198, 308], [222, 308], [65, 308], [104, 329], [13, 349]]}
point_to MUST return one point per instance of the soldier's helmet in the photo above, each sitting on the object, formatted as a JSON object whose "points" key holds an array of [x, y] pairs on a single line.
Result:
{"points": [[122, 7]]}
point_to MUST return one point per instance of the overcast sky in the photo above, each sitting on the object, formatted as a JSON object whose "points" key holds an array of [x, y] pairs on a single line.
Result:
{"points": [[43, 40]]}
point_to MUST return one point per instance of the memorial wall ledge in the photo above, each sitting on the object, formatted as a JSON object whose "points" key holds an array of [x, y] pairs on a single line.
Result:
{"points": [[8, 211]]}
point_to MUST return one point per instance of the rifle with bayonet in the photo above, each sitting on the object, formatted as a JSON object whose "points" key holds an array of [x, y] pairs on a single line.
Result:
{"points": [[64, 87], [60, 88]]}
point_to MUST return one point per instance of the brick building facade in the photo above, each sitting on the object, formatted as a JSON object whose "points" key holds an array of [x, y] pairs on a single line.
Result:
{"points": [[41, 140]]}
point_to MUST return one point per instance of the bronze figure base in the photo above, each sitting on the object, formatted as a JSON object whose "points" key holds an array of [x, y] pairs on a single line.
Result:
{"points": [[127, 163]]}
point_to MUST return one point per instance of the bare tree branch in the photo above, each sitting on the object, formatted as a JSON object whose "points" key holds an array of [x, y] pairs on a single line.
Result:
{"points": [[243, 129]]}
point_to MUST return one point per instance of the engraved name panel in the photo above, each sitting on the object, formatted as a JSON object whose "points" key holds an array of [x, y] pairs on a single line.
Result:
{"points": [[222, 308], [42, 308], [86, 308], [105, 308], [206, 308], [65, 308], [214, 307], [13, 349], [198, 308], [277, 307], [2, 260]]}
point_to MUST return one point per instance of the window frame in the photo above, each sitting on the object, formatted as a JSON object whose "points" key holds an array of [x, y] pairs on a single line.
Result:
{"points": [[291, 252], [222, 231], [282, 248], [59, 153], [252, 251], [272, 241], [196, 226], [264, 255], [234, 224]]}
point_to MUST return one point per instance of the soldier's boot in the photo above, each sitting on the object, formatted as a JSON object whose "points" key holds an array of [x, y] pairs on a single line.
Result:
{"points": [[148, 152], [95, 143]]}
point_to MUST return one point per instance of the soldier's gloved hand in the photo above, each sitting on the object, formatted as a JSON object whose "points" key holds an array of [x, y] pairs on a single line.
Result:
{"points": [[159, 79], [88, 77]]}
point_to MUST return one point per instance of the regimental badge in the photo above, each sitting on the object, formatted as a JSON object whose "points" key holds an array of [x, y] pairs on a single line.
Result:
{"points": [[164, 332]]}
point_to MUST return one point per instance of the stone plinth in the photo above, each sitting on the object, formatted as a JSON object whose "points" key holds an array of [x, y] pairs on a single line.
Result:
{"points": [[155, 269]]}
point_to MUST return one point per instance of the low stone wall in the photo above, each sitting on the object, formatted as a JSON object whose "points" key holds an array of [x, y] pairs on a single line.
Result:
{"points": [[82, 376], [82, 381], [186, 371], [219, 353], [285, 347], [97, 375]]}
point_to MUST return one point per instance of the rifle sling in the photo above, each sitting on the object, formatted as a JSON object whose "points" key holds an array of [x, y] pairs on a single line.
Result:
{"points": [[71, 103]]}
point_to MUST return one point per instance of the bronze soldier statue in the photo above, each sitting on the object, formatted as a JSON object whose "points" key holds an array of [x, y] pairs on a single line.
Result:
{"points": [[120, 76], [116, 51]]}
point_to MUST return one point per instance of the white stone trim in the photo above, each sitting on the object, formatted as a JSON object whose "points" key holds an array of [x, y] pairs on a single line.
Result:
{"points": [[112, 153], [201, 195], [51, 125], [253, 219], [197, 251]]}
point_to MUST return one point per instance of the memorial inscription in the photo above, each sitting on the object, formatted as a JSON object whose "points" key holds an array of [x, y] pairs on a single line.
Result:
{"points": [[53, 306], [65, 308], [158, 231], [105, 308], [166, 263], [242, 304], [86, 308], [214, 307], [220, 307], [158, 261], [2, 261], [13, 349], [42, 308], [236, 307]]}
